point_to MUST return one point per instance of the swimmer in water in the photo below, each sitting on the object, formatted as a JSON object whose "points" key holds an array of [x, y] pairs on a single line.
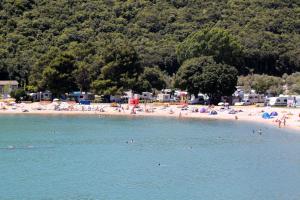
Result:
{"points": [[259, 131], [158, 164]]}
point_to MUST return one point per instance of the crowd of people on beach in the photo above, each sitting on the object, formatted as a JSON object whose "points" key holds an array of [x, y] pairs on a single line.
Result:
{"points": [[283, 117]]}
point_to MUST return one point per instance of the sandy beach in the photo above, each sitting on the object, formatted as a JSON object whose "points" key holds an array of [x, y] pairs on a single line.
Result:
{"points": [[242, 113]]}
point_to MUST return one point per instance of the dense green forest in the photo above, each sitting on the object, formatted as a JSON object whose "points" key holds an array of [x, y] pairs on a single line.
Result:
{"points": [[110, 45]]}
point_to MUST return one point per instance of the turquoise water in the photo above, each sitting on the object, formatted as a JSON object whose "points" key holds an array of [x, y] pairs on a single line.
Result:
{"points": [[94, 158]]}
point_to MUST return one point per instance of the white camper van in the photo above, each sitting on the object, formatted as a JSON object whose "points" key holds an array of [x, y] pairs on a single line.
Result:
{"points": [[297, 101], [147, 96], [278, 101], [254, 98], [163, 97]]}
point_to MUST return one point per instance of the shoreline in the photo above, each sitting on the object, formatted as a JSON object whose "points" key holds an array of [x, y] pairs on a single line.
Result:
{"points": [[249, 114]]}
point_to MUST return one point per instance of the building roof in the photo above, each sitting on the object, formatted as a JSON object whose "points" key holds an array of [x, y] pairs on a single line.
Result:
{"points": [[9, 83]]}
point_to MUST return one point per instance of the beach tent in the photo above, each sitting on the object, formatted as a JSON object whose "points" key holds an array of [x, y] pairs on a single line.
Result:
{"points": [[266, 115], [202, 110], [273, 114], [213, 112]]}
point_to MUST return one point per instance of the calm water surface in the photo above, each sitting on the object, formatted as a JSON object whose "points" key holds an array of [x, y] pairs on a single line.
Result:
{"points": [[91, 158]]}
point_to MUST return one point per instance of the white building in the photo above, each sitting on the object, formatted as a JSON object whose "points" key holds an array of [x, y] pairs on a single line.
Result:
{"points": [[6, 87]]}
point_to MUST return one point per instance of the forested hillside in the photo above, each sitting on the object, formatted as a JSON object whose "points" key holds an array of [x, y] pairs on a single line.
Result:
{"points": [[78, 44]]}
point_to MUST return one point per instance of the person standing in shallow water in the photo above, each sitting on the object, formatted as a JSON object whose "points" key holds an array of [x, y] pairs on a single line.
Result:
{"points": [[279, 123]]}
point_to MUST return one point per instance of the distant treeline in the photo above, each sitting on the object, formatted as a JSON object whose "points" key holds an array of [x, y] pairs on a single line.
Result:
{"points": [[111, 45], [272, 85]]}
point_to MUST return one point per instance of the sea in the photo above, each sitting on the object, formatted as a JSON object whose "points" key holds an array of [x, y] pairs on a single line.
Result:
{"points": [[133, 158]]}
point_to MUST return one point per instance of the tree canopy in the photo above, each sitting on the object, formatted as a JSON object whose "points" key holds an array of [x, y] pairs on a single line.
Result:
{"points": [[187, 77], [152, 78], [218, 80], [57, 76], [121, 70], [216, 42], [265, 84], [261, 37]]}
